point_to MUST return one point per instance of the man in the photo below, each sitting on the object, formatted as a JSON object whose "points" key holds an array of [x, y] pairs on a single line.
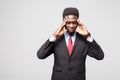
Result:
{"points": [[70, 48]]}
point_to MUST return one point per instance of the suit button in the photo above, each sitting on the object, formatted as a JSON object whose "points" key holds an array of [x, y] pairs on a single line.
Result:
{"points": [[70, 69]]}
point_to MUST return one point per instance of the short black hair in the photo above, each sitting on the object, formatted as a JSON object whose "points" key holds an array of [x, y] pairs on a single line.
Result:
{"points": [[71, 11]]}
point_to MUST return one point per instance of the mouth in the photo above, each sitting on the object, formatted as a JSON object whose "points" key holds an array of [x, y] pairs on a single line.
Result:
{"points": [[71, 29]]}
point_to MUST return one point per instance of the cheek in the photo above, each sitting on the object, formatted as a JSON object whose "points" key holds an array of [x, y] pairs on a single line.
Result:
{"points": [[67, 27]]}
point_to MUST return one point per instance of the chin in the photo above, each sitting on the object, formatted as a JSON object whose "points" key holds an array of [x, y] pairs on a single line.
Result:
{"points": [[71, 32]]}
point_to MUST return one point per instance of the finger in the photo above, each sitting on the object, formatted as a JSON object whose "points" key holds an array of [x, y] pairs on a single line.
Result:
{"points": [[84, 29], [64, 21], [61, 27], [77, 30], [79, 23], [78, 20], [63, 31]]}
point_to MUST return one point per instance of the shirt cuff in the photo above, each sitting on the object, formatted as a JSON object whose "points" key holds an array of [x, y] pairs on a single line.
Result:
{"points": [[90, 39], [52, 39]]}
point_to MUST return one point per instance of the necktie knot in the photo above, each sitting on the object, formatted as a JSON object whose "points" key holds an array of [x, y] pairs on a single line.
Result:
{"points": [[71, 34]]}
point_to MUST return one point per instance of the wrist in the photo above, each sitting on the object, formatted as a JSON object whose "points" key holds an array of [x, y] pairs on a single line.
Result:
{"points": [[52, 38], [90, 39], [54, 35], [88, 35]]}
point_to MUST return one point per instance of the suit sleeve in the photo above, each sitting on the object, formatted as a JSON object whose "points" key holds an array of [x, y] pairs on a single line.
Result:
{"points": [[95, 50], [45, 50]]}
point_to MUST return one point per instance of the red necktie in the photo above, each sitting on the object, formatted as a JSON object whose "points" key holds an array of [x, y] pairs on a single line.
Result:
{"points": [[70, 45]]}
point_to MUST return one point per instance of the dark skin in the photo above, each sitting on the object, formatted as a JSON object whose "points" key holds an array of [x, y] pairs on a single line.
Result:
{"points": [[71, 22]]}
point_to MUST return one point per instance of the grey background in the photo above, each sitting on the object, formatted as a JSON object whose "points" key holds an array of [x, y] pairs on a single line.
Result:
{"points": [[26, 24]]}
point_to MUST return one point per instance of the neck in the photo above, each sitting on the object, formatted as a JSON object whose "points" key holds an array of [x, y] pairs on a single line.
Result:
{"points": [[71, 33]]}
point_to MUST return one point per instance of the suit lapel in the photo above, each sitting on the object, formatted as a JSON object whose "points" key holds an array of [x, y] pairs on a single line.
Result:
{"points": [[78, 43], [75, 44], [64, 45]]}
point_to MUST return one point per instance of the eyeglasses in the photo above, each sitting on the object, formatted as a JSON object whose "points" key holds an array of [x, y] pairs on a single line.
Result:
{"points": [[73, 22]]}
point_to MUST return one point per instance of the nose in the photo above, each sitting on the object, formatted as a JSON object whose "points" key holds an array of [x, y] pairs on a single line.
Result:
{"points": [[71, 25]]}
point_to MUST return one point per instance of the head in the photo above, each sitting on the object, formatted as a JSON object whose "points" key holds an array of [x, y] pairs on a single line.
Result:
{"points": [[71, 15]]}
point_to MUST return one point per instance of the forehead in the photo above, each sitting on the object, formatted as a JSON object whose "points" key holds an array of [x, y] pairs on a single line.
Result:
{"points": [[71, 17]]}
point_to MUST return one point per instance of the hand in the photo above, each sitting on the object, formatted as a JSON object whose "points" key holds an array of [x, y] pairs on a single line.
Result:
{"points": [[82, 30], [60, 30]]}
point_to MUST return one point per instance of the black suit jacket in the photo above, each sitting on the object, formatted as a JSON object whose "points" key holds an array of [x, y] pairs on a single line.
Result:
{"points": [[70, 67]]}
